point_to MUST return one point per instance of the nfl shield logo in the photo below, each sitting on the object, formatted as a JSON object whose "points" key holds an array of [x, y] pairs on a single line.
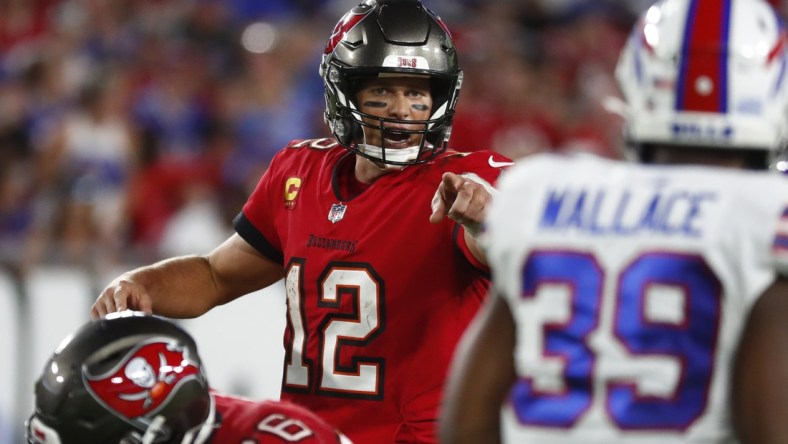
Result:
{"points": [[337, 212]]}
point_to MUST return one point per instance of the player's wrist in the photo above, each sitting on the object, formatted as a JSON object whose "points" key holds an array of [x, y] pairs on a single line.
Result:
{"points": [[473, 229]]}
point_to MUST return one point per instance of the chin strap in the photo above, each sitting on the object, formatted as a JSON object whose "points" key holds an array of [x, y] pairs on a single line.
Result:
{"points": [[396, 155]]}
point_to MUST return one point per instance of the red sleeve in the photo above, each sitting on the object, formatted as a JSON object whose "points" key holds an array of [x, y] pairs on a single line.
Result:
{"points": [[255, 223], [265, 213]]}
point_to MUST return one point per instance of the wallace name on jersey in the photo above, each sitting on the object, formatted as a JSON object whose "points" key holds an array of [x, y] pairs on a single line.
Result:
{"points": [[607, 212]]}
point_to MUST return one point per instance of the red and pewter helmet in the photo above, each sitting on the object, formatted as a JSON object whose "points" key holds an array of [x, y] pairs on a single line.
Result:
{"points": [[390, 38], [128, 378]]}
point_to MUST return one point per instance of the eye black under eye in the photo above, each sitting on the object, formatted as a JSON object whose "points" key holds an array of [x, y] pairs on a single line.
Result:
{"points": [[375, 104]]}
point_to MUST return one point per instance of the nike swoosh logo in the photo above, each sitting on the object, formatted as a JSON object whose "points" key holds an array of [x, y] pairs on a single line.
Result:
{"points": [[495, 164]]}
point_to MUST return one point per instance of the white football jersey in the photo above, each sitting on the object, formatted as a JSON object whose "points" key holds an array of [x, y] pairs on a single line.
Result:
{"points": [[630, 285]]}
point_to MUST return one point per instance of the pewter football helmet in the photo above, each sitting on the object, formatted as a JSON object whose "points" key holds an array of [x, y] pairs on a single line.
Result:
{"points": [[128, 378], [390, 37]]}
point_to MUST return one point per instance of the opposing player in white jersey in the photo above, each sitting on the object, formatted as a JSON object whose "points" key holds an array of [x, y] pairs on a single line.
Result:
{"points": [[646, 303]]}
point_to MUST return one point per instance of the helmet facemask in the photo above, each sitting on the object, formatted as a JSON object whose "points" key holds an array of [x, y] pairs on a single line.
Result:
{"points": [[372, 136]]}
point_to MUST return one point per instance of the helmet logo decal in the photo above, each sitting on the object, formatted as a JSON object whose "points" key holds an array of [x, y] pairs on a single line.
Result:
{"points": [[400, 61], [704, 65], [445, 29], [143, 381], [343, 26], [778, 51], [407, 62]]}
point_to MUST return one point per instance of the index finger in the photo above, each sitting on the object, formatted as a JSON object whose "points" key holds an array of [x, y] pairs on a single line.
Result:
{"points": [[104, 305], [452, 182], [444, 196]]}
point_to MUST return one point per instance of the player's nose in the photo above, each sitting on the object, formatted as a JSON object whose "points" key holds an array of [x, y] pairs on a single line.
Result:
{"points": [[399, 107]]}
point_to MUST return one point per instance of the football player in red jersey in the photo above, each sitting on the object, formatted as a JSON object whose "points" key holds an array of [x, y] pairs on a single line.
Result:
{"points": [[132, 378], [372, 230]]}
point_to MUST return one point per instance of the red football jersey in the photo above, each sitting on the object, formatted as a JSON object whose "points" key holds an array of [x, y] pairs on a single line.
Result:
{"points": [[269, 422], [377, 295]]}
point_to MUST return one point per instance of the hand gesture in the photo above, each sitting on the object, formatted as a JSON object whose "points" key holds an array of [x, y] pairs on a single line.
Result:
{"points": [[122, 294], [462, 200]]}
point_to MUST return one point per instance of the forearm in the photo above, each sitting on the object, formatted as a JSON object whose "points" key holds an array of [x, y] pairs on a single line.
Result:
{"points": [[188, 286], [181, 287]]}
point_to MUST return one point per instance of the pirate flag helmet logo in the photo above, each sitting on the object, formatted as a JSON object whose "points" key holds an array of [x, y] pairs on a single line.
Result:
{"points": [[145, 379], [129, 378]]}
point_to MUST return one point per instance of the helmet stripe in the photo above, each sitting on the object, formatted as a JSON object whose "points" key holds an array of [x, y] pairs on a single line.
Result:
{"points": [[780, 76], [703, 77], [779, 51]]}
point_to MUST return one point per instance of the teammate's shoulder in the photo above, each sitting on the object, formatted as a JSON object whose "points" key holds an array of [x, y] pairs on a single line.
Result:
{"points": [[238, 407], [261, 406]]}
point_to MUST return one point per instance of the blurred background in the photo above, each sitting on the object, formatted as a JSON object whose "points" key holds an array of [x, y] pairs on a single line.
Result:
{"points": [[131, 131]]}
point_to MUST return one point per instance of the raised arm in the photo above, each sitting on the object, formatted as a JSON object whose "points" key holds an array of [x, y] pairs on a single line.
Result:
{"points": [[188, 286], [481, 376]]}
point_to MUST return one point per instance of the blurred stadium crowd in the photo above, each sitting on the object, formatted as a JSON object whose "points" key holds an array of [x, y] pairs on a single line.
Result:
{"points": [[134, 130]]}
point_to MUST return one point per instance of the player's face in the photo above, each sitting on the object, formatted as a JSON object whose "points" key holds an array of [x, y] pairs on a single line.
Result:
{"points": [[401, 98]]}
